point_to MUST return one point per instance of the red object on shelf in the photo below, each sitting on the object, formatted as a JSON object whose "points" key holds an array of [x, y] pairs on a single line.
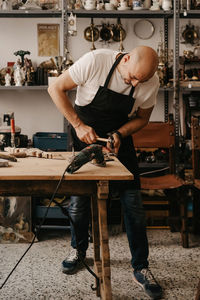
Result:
{"points": [[12, 123]]}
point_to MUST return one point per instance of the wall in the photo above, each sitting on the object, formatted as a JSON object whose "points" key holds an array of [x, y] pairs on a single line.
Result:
{"points": [[34, 110]]}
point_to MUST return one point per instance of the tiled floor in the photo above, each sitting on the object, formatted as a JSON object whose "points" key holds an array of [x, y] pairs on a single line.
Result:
{"points": [[39, 275]]}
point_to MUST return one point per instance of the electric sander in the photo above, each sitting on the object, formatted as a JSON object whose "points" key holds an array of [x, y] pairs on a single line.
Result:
{"points": [[91, 152]]}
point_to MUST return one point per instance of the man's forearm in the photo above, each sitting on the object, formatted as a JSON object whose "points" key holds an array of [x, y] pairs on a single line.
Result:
{"points": [[64, 105], [140, 120], [132, 126]]}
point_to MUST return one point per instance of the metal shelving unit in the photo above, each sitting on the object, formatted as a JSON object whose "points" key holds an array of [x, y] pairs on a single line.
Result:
{"points": [[176, 14], [178, 89]]}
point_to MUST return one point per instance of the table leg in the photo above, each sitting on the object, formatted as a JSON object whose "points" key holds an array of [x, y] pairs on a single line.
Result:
{"points": [[96, 241], [105, 279]]}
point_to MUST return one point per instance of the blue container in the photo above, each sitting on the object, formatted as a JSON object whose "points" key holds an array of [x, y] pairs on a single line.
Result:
{"points": [[53, 212], [50, 141]]}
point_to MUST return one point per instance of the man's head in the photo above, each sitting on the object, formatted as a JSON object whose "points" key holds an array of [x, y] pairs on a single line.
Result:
{"points": [[139, 65]]}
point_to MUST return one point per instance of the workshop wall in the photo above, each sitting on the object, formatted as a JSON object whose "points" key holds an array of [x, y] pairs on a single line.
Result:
{"points": [[34, 110]]}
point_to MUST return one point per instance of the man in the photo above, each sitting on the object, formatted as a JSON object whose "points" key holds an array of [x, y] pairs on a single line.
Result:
{"points": [[115, 93]]}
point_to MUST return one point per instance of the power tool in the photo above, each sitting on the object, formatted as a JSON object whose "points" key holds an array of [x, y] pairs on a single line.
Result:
{"points": [[89, 153]]}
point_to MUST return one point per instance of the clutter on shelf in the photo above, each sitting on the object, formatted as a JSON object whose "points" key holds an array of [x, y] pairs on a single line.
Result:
{"points": [[22, 72], [108, 33], [121, 5], [165, 66], [33, 5], [10, 134], [190, 67], [189, 34]]}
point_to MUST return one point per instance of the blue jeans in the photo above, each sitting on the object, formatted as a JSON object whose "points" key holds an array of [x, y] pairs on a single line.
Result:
{"points": [[134, 219]]}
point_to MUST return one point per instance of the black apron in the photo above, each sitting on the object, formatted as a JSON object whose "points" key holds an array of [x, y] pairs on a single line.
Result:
{"points": [[109, 111]]}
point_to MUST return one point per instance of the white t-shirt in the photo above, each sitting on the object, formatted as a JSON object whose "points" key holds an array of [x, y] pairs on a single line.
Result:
{"points": [[91, 71]]}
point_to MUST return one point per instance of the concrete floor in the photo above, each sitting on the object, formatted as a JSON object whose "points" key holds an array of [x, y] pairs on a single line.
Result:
{"points": [[39, 275]]}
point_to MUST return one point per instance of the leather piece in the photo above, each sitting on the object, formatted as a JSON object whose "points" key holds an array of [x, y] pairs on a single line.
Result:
{"points": [[197, 183], [168, 181], [155, 135]]}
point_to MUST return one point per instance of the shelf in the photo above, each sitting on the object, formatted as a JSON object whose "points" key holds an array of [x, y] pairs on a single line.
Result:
{"points": [[195, 108], [190, 86], [20, 88], [44, 87], [187, 89], [167, 89], [82, 13], [30, 14], [187, 61], [191, 14]]}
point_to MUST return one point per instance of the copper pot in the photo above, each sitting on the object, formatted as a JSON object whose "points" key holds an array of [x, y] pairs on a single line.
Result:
{"points": [[91, 33], [190, 35], [119, 33], [106, 33]]}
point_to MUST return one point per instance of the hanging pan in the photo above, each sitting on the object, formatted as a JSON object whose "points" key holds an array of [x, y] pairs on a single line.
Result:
{"points": [[190, 35], [91, 34], [119, 32], [106, 33]]}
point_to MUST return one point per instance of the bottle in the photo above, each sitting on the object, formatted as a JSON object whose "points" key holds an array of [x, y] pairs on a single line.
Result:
{"points": [[147, 4]]}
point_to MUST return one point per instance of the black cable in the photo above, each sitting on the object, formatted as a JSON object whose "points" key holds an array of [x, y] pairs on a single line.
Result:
{"points": [[64, 210], [66, 213]]}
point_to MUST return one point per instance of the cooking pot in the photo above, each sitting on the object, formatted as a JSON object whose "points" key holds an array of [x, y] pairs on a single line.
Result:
{"points": [[91, 33], [190, 35], [106, 33], [119, 32]]}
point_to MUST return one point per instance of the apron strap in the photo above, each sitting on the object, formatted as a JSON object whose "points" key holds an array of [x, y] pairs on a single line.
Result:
{"points": [[132, 91], [111, 72]]}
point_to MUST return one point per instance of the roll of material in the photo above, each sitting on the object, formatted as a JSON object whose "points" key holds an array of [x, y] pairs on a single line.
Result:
{"points": [[3, 163]]}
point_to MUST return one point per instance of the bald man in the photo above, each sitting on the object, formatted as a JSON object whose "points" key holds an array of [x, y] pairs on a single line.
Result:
{"points": [[116, 92]]}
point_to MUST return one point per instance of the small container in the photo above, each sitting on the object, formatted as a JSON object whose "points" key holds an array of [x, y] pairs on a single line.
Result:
{"points": [[147, 4], [52, 141]]}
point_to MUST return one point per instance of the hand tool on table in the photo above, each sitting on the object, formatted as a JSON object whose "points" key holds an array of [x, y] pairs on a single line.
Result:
{"points": [[32, 152], [110, 140], [8, 156], [89, 153]]}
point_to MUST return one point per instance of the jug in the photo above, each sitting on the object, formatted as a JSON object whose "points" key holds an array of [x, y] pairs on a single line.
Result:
{"points": [[166, 4], [89, 4]]}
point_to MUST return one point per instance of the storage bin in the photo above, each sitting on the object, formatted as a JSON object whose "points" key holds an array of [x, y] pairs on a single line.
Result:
{"points": [[53, 212], [52, 141]]}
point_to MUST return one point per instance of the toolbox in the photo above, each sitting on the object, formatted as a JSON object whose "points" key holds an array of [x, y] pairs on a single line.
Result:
{"points": [[50, 141]]}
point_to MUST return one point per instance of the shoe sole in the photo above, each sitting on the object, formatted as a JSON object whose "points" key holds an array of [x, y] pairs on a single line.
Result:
{"points": [[141, 286], [75, 270]]}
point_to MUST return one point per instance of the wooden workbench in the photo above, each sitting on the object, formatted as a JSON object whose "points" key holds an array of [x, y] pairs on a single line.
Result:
{"points": [[39, 177]]}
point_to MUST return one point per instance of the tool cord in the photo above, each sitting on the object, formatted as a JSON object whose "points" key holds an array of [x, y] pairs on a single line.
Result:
{"points": [[65, 212]]}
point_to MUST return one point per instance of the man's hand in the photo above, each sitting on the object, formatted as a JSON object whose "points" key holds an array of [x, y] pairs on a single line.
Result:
{"points": [[116, 144], [86, 134]]}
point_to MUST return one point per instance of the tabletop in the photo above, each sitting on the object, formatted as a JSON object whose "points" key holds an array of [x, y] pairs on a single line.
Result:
{"points": [[33, 168]]}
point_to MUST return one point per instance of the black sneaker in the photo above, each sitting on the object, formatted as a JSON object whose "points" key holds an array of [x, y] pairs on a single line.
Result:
{"points": [[146, 280], [72, 262]]}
